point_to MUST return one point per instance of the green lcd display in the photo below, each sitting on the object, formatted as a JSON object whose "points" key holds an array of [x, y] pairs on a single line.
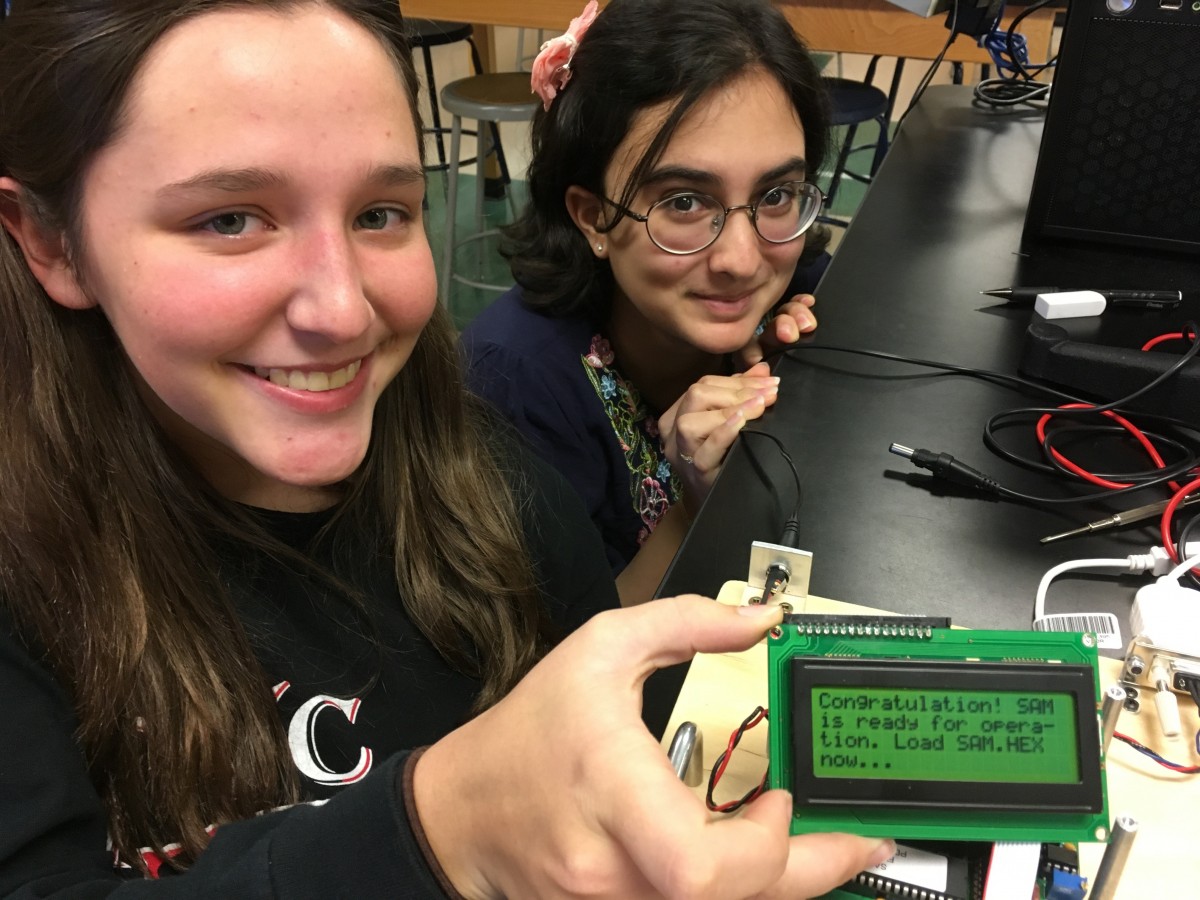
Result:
{"points": [[944, 735], [910, 731]]}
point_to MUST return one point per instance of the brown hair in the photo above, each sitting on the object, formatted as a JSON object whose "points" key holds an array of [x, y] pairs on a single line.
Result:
{"points": [[639, 53], [107, 560]]}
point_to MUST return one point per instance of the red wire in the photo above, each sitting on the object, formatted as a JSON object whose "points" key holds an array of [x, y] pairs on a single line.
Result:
{"points": [[1164, 524], [733, 804], [1083, 473], [1141, 438], [1165, 763], [733, 739], [1163, 338]]}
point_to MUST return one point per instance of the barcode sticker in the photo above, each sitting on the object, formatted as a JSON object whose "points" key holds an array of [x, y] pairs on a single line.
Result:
{"points": [[1103, 625]]}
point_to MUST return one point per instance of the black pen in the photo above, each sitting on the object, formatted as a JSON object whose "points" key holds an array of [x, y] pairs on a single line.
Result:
{"points": [[1025, 296]]}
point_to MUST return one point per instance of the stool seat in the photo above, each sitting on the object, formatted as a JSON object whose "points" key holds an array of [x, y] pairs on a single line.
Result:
{"points": [[492, 97], [436, 32], [852, 102]]}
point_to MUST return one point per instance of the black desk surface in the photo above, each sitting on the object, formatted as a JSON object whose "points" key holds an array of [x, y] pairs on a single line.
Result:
{"points": [[942, 222]]}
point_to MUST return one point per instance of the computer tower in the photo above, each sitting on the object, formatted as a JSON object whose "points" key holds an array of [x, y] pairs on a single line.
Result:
{"points": [[1120, 153]]}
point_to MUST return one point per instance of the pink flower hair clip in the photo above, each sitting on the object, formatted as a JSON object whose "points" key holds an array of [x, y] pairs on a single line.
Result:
{"points": [[552, 67]]}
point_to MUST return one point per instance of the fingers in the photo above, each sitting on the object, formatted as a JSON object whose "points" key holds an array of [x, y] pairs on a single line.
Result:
{"points": [[690, 855], [705, 437], [698, 430], [791, 320], [575, 797], [674, 629], [749, 855], [662, 825], [715, 392], [817, 863], [727, 391], [710, 435]]}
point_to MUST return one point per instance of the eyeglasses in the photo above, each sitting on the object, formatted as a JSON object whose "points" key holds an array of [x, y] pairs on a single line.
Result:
{"points": [[688, 222]]}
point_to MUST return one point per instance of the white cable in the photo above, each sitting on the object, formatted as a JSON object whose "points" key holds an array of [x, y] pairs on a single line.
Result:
{"points": [[1181, 569], [1039, 603], [1154, 562]]}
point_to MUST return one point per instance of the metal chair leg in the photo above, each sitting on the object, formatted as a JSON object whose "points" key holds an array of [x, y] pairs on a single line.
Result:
{"points": [[451, 209], [477, 62], [482, 151], [839, 168], [435, 115]]}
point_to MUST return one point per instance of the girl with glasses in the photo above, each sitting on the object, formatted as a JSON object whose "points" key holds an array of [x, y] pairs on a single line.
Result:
{"points": [[671, 199], [258, 547]]}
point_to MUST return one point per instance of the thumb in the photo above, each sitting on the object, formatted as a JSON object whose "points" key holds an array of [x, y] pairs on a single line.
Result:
{"points": [[818, 863], [675, 629]]}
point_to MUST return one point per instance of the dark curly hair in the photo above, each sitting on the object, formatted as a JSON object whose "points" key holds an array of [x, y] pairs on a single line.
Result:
{"points": [[636, 54]]}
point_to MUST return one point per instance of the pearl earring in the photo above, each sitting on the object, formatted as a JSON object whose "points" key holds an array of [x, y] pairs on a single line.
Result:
{"points": [[600, 247]]}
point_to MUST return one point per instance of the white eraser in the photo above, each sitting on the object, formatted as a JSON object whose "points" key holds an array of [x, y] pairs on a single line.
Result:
{"points": [[1069, 304]]}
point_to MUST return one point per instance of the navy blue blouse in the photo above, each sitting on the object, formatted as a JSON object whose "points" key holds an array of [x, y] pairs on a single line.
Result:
{"points": [[558, 382]]}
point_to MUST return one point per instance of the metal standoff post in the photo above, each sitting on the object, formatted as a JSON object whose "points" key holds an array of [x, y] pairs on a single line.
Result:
{"points": [[687, 753], [1114, 701], [1120, 842]]}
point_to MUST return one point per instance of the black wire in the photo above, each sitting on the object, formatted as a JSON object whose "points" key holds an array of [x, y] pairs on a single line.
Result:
{"points": [[787, 458], [933, 66], [1092, 432], [1025, 384], [1166, 374], [1001, 378], [1187, 461], [1163, 475], [1193, 688], [1057, 440], [1192, 526], [1021, 88], [791, 528], [1181, 768], [712, 775], [1012, 29]]}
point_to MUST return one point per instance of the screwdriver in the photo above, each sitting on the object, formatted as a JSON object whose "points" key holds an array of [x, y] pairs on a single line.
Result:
{"points": [[1137, 514]]}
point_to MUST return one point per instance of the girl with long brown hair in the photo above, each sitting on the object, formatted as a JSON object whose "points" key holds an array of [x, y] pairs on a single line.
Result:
{"points": [[256, 546]]}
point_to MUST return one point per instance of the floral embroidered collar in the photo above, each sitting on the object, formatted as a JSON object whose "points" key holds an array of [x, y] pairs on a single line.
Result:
{"points": [[653, 484]]}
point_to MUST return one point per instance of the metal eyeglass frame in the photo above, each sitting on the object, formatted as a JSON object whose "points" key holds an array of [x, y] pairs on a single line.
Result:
{"points": [[751, 209]]}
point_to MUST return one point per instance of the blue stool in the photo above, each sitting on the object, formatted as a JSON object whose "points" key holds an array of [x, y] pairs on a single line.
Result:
{"points": [[853, 103]]}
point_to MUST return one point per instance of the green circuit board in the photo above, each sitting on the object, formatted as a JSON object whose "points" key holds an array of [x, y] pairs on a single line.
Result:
{"points": [[892, 727]]}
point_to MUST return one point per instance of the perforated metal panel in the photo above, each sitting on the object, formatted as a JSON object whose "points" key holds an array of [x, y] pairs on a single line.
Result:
{"points": [[1120, 154]]}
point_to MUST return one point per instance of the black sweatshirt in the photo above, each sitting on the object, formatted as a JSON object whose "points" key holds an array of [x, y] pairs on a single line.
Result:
{"points": [[350, 744]]}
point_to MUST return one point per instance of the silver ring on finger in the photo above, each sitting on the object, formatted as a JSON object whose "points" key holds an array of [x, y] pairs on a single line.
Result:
{"points": [[690, 460]]}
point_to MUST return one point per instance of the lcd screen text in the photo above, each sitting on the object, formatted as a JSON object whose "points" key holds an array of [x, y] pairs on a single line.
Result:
{"points": [[921, 734]]}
